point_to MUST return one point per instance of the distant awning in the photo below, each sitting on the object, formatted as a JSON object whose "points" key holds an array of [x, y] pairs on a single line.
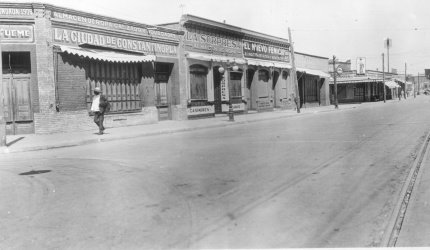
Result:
{"points": [[391, 84], [314, 72], [355, 79], [215, 58], [403, 81], [106, 55], [269, 64]]}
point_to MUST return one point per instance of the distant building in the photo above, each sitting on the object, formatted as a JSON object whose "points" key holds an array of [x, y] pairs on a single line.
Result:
{"points": [[353, 87]]}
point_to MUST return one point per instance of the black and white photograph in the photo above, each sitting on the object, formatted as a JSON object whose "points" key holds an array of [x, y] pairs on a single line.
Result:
{"points": [[229, 124]]}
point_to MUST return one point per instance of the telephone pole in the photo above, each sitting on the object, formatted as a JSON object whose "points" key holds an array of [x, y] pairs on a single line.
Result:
{"points": [[418, 90], [2, 119], [383, 78], [336, 104], [404, 92], [293, 73]]}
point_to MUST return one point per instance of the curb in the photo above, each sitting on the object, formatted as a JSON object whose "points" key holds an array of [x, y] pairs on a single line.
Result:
{"points": [[396, 219], [6, 150]]}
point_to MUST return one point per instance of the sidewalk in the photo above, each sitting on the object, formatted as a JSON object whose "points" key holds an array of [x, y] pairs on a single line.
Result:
{"points": [[33, 142], [415, 231]]}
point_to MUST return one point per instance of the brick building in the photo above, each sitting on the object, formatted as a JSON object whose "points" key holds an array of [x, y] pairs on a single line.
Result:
{"points": [[54, 57]]}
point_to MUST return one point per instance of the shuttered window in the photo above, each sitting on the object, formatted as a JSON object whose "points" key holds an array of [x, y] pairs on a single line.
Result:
{"points": [[235, 84], [198, 82], [119, 83]]}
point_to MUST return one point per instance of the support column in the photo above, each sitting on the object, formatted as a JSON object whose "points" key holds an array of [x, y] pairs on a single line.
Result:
{"points": [[44, 56]]}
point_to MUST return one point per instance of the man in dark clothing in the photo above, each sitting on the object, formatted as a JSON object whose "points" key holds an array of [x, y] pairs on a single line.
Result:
{"points": [[99, 106]]}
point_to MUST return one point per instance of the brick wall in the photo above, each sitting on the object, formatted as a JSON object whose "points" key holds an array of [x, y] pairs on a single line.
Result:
{"points": [[69, 121], [71, 83], [44, 57]]}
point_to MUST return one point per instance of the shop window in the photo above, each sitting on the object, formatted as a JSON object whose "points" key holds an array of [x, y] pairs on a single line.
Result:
{"points": [[119, 83], [198, 82], [235, 84], [285, 75], [311, 91], [341, 91], [16, 63], [263, 75], [250, 77], [275, 79]]}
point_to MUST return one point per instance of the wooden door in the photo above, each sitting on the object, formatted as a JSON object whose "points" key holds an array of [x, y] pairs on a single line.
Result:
{"points": [[161, 101], [18, 112]]}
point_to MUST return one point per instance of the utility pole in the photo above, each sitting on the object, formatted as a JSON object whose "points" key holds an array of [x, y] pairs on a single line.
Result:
{"points": [[336, 104], [388, 55], [404, 92], [383, 78], [293, 73], [2, 119], [418, 90]]}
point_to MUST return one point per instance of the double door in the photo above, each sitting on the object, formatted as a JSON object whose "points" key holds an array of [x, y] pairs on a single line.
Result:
{"points": [[17, 105]]}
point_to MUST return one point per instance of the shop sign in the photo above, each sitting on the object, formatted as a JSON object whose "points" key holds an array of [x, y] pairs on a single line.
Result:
{"points": [[213, 43], [78, 37], [224, 90], [16, 33], [235, 106], [15, 12], [361, 66], [264, 51], [263, 103], [200, 110], [112, 25]]}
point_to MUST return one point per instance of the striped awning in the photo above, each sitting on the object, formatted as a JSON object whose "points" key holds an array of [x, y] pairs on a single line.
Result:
{"points": [[215, 58], [314, 72], [106, 55], [268, 64], [391, 84]]}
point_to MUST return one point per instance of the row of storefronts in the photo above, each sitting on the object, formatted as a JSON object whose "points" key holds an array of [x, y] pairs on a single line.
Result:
{"points": [[53, 58], [367, 86]]}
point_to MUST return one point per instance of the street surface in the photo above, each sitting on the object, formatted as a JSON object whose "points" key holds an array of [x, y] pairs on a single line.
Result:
{"points": [[322, 180]]}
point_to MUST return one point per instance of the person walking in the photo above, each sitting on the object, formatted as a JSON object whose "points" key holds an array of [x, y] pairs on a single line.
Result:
{"points": [[99, 106]]}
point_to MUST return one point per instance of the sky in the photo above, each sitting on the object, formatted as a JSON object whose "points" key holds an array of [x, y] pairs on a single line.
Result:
{"points": [[346, 29]]}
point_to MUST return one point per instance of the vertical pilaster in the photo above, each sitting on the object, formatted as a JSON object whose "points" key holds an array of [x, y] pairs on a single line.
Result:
{"points": [[44, 57], [179, 111]]}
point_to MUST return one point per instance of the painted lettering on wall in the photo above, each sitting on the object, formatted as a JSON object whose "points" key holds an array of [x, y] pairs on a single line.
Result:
{"points": [[200, 110], [120, 26], [16, 33], [78, 37], [15, 12], [213, 43], [235, 106], [224, 90], [264, 51]]}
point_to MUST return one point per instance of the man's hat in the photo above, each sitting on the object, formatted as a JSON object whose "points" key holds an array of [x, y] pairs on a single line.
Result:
{"points": [[97, 89]]}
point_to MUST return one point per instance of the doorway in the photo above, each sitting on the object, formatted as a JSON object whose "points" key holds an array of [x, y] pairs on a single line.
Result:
{"points": [[16, 92], [217, 90], [162, 74]]}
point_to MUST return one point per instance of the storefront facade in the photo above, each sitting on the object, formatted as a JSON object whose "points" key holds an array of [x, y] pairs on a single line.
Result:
{"points": [[54, 57], [368, 87], [225, 64], [213, 67], [268, 84], [313, 80]]}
